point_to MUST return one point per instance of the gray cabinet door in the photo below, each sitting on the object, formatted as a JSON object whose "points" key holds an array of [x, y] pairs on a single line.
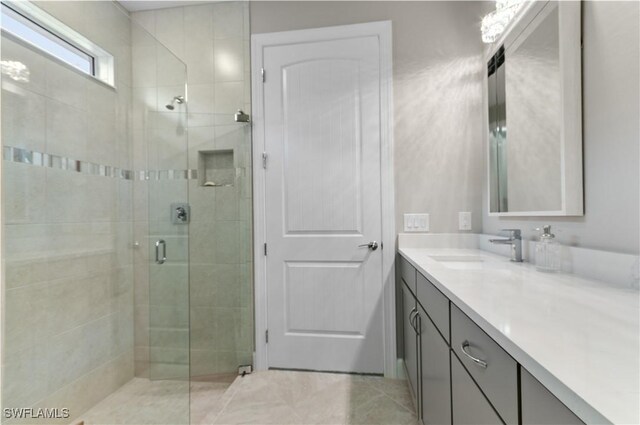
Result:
{"points": [[470, 406], [540, 407], [436, 385], [410, 341]]}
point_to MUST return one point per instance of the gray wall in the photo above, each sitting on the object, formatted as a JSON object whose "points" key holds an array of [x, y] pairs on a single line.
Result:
{"points": [[437, 96], [438, 112], [611, 130]]}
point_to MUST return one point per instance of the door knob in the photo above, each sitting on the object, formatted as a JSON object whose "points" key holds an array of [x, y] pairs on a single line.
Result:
{"points": [[373, 245]]}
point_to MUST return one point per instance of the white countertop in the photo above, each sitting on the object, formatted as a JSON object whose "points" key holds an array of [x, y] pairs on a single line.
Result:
{"points": [[580, 338]]}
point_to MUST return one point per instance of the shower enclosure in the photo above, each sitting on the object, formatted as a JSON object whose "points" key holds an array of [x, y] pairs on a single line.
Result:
{"points": [[126, 211]]}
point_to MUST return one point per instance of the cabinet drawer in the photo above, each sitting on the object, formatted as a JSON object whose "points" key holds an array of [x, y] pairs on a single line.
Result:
{"points": [[434, 303], [498, 376], [408, 273]]}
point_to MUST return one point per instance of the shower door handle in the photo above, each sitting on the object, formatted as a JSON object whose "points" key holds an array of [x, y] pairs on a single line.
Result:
{"points": [[164, 251]]}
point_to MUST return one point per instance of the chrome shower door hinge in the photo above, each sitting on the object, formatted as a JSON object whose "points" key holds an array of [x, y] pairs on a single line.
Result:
{"points": [[264, 160], [262, 73], [266, 336]]}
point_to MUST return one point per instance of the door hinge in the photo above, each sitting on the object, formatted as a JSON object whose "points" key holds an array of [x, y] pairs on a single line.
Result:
{"points": [[265, 248], [264, 160], [266, 336], [262, 73]]}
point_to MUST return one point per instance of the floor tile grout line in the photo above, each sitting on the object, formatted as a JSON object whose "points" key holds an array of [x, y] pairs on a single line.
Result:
{"points": [[231, 396]]}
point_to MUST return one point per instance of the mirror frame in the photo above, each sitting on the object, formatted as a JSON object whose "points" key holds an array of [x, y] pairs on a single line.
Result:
{"points": [[570, 39]]}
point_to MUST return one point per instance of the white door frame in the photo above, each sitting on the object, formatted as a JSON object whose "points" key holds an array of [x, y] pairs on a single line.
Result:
{"points": [[382, 30]]}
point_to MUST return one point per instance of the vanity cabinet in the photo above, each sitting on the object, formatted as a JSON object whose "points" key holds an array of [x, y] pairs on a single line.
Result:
{"points": [[540, 407], [457, 373]]}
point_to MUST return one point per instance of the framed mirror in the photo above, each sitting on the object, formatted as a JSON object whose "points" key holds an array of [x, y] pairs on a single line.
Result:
{"points": [[534, 114]]}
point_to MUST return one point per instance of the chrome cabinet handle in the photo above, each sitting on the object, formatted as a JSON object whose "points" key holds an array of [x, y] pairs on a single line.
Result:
{"points": [[415, 321], [373, 245], [164, 251], [411, 317], [476, 360]]}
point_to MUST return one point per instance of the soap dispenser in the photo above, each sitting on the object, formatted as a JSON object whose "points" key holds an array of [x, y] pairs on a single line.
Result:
{"points": [[547, 251]]}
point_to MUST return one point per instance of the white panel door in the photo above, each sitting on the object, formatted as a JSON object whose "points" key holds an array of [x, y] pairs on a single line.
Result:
{"points": [[322, 137]]}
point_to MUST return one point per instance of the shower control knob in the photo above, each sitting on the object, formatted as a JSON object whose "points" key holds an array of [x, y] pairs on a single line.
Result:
{"points": [[181, 214]]}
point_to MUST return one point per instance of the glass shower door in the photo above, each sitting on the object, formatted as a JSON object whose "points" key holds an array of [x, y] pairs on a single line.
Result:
{"points": [[161, 227], [167, 177], [169, 216]]}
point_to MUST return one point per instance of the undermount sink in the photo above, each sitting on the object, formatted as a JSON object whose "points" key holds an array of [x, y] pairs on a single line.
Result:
{"points": [[458, 258], [460, 262]]}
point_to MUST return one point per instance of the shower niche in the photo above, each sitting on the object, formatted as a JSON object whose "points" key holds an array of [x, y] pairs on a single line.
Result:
{"points": [[216, 168]]}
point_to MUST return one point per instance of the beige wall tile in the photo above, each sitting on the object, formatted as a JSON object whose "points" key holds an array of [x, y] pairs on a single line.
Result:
{"points": [[201, 98], [229, 59], [23, 117], [66, 132], [24, 194], [66, 85], [199, 58], [228, 20], [229, 97], [24, 375]]}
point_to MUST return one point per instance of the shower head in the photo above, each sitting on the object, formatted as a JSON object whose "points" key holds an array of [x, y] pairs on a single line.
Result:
{"points": [[176, 99]]}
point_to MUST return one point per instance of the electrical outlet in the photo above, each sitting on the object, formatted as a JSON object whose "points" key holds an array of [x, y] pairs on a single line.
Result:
{"points": [[416, 222], [464, 220]]}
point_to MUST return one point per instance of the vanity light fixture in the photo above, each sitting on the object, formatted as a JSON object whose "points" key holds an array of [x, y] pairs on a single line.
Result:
{"points": [[495, 22]]}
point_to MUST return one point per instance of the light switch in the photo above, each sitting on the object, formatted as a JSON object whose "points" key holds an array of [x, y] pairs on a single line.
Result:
{"points": [[416, 222], [464, 220]]}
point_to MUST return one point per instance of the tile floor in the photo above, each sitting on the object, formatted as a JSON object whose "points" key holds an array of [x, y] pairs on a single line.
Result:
{"points": [[272, 397], [145, 402]]}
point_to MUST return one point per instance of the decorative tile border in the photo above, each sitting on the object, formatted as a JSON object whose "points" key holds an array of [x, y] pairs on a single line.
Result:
{"points": [[40, 159]]}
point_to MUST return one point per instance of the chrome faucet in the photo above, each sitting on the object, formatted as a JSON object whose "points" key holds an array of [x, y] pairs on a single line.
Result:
{"points": [[515, 240]]}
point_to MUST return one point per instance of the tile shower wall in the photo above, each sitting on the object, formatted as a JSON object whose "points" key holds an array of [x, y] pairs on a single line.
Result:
{"points": [[213, 40], [68, 292]]}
